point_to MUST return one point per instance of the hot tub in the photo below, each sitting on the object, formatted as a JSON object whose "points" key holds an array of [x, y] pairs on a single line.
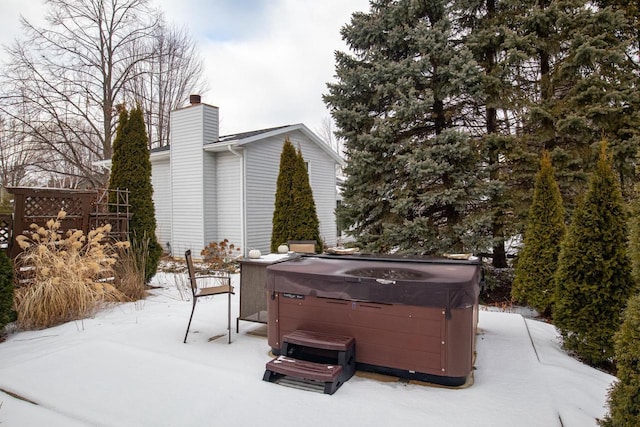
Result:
{"points": [[414, 318]]}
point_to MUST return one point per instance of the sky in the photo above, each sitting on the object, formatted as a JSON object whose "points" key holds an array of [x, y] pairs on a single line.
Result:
{"points": [[127, 366], [267, 62]]}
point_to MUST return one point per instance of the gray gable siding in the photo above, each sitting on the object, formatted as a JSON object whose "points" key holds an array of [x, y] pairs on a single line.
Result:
{"points": [[229, 191], [262, 167], [262, 164]]}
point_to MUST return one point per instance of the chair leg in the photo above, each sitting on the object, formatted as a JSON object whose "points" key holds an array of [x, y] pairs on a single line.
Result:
{"points": [[229, 317], [190, 317]]}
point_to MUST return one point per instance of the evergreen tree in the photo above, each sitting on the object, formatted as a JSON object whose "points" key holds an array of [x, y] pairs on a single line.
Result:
{"points": [[295, 216], [538, 259], [634, 236], [285, 208], [7, 313], [307, 225], [593, 279], [131, 169], [624, 397], [631, 10], [485, 24], [579, 86], [413, 182], [117, 165]]}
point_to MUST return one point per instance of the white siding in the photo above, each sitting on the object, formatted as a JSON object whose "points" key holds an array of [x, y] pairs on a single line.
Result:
{"points": [[160, 180], [209, 198], [229, 192], [262, 167], [209, 195], [190, 128]]}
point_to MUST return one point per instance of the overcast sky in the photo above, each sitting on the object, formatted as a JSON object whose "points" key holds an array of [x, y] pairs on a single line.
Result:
{"points": [[267, 62]]}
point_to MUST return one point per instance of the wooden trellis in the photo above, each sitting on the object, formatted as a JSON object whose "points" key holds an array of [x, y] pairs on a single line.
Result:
{"points": [[85, 210]]}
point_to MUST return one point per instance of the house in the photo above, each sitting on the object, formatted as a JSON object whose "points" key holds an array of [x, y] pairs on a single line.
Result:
{"points": [[208, 188]]}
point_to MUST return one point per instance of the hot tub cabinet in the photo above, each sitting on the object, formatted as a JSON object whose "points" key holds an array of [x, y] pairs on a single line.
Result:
{"points": [[412, 318]]}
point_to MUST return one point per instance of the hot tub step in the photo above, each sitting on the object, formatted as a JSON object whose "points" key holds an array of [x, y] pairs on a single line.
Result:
{"points": [[323, 348], [304, 374], [319, 340]]}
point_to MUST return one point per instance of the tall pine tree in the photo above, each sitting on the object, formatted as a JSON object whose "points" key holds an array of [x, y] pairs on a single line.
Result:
{"points": [[414, 182], [579, 86], [593, 279], [484, 23], [131, 169], [537, 262]]}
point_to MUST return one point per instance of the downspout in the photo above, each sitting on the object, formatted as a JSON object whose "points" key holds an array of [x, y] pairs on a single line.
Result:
{"points": [[243, 237]]}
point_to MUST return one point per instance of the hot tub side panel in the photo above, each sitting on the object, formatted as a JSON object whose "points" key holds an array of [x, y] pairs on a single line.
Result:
{"points": [[408, 338], [459, 342]]}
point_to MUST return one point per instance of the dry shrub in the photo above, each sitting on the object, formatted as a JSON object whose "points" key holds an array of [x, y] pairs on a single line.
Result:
{"points": [[67, 274], [221, 256], [130, 270]]}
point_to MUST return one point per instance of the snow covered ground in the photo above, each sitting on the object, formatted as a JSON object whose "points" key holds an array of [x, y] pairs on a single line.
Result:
{"points": [[127, 366]]}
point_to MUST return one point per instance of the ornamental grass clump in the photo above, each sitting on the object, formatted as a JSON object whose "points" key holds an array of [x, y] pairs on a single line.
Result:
{"points": [[129, 270], [66, 274]]}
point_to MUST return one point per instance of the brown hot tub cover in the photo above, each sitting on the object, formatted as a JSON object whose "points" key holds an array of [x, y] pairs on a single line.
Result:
{"points": [[409, 281]]}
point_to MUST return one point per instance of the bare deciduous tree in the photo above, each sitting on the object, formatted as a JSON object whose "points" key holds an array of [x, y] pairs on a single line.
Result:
{"points": [[164, 82], [16, 155], [63, 81], [325, 132]]}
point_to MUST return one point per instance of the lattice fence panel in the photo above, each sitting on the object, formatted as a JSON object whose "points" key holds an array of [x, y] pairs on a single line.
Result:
{"points": [[6, 227], [39, 207]]}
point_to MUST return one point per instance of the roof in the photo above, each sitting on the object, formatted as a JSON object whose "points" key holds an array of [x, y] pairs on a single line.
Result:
{"points": [[245, 135], [239, 139]]}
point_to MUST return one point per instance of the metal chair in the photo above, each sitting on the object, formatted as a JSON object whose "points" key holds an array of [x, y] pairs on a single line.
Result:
{"points": [[198, 292]]}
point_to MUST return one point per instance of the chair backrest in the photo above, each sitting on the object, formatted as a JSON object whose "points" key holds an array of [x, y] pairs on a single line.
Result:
{"points": [[191, 270], [303, 246]]}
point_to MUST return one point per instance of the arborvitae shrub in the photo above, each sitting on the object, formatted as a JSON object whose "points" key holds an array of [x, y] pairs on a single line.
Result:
{"points": [[634, 236], [7, 313], [593, 280], [307, 225], [284, 212], [131, 169], [624, 396], [533, 283], [295, 216]]}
